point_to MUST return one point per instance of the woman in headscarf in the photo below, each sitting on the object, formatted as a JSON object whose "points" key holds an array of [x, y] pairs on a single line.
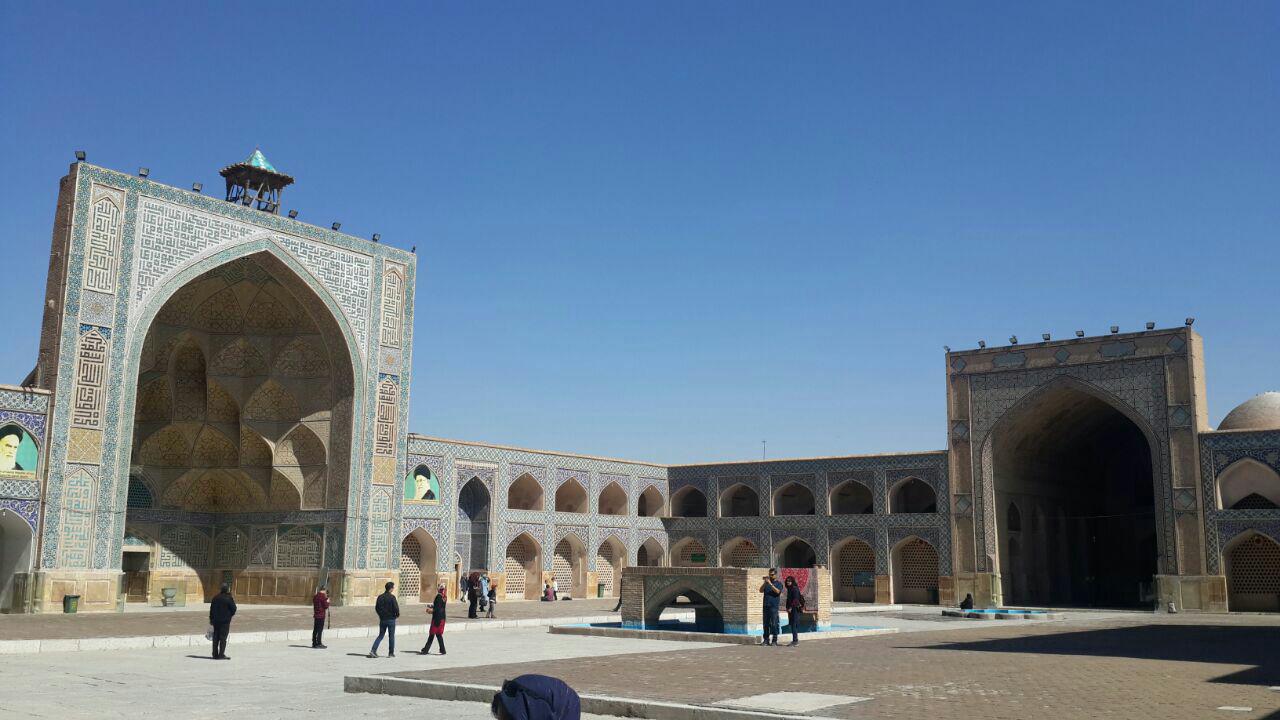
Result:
{"points": [[437, 621], [536, 697], [473, 594], [795, 606]]}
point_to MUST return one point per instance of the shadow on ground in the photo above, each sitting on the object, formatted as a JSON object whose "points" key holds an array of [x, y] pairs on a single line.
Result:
{"points": [[1221, 644]]}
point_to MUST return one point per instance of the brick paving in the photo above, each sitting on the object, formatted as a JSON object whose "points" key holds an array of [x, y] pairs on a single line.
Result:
{"points": [[255, 618], [1132, 666]]}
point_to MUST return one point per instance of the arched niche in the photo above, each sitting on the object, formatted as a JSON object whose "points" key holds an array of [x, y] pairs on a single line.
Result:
{"points": [[649, 504], [912, 495], [795, 553], [1248, 485], [522, 568], [525, 494], [740, 552], [854, 571], [613, 500], [571, 497], [689, 552], [794, 499], [611, 557], [649, 554], [739, 500], [852, 497], [914, 567], [688, 501]]}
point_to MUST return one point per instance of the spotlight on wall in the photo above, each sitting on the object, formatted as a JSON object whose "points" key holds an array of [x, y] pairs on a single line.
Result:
{"points": [[336, 225], [1115, 329], [1044, 337], [79, 156], [982, 343], [1079, 333], [197, 187], [1190, 320], [143, 172], [1151, 326], [377, 237], [293, 214], [1013, 339]]}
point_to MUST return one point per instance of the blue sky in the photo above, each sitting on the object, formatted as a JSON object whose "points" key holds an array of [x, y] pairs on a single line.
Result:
{"points": [[667, 231]]}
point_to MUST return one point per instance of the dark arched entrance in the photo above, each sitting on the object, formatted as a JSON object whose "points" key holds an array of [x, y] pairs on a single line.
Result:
{"points": [[1070, 455], [471, 541]]}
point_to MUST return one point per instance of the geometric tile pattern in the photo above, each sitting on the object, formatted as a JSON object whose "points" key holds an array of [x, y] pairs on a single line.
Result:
{"points": [[1218, 451]]}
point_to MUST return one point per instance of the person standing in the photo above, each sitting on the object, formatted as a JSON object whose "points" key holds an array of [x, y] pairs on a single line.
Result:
{"points": [[437, 622], [555, 589], [484, 591], [772, 591], [320, 612], [388, 610], [462, 588], [221, 609], [473, 596], [795, 606], [493, 601]]}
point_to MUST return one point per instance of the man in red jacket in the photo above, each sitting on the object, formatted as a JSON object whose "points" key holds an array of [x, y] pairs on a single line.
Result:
{"points": [[320, 604]]}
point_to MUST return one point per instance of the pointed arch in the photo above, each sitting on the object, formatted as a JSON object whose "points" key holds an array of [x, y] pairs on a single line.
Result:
{"points": [[740, 552], [611, 557], [650, 503], [854, 570], [1252, 562], [689, 501], [569, 566], [794, 498], [739, 500], [612, 500], [650, 554], [417, 566], [689, 552], [522, 568], [1244, 478], [525, 494], [852, 497], [795, 552], [571, 497], [914, 569], [912, 495]]}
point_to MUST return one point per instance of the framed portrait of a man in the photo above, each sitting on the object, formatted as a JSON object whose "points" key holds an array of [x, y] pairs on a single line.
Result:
{"points": [[422, 486], [18, 452]]}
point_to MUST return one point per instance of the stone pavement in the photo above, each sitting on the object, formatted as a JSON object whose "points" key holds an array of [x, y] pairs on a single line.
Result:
{"points": [[260, 618], [1092, 665], [270, 680]]}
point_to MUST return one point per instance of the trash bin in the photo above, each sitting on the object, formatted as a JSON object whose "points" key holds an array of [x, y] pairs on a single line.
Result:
{"points": [[70, 603], [600, 589]]}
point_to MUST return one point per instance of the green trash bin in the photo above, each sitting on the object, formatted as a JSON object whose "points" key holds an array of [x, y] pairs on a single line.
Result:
{"points": [[70, 603]]}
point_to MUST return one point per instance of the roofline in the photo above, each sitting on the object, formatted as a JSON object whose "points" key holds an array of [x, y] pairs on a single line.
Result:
{"points": [[496, 446], [1037, 343], [408, 255], [813, 459], [22, 389]]}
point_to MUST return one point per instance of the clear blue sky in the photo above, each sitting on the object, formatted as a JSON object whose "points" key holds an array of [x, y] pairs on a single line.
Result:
{"points": [[667, 231]]}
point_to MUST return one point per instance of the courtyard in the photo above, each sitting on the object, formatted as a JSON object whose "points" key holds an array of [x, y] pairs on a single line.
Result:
{"points": [[1088, 665]]}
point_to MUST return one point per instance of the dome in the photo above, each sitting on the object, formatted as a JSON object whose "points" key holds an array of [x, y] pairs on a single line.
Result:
{"points": [[1261, 412]]}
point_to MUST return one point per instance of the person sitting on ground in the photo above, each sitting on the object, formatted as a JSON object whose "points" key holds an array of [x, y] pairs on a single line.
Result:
{"points": [[536, 697], [547, 593], [967, 602]]}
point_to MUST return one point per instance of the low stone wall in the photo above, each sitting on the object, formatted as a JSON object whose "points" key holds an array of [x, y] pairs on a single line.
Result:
{"points": [[725, 599]]}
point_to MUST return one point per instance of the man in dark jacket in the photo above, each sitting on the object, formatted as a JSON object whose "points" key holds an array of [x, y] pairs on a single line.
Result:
{"points": [[319, 611], [772, 591], [221, 609], [388, 610]]}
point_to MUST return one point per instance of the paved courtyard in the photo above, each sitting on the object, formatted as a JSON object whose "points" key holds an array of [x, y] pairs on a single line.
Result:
{"points": [[1093, 665], [1108, 665]]}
